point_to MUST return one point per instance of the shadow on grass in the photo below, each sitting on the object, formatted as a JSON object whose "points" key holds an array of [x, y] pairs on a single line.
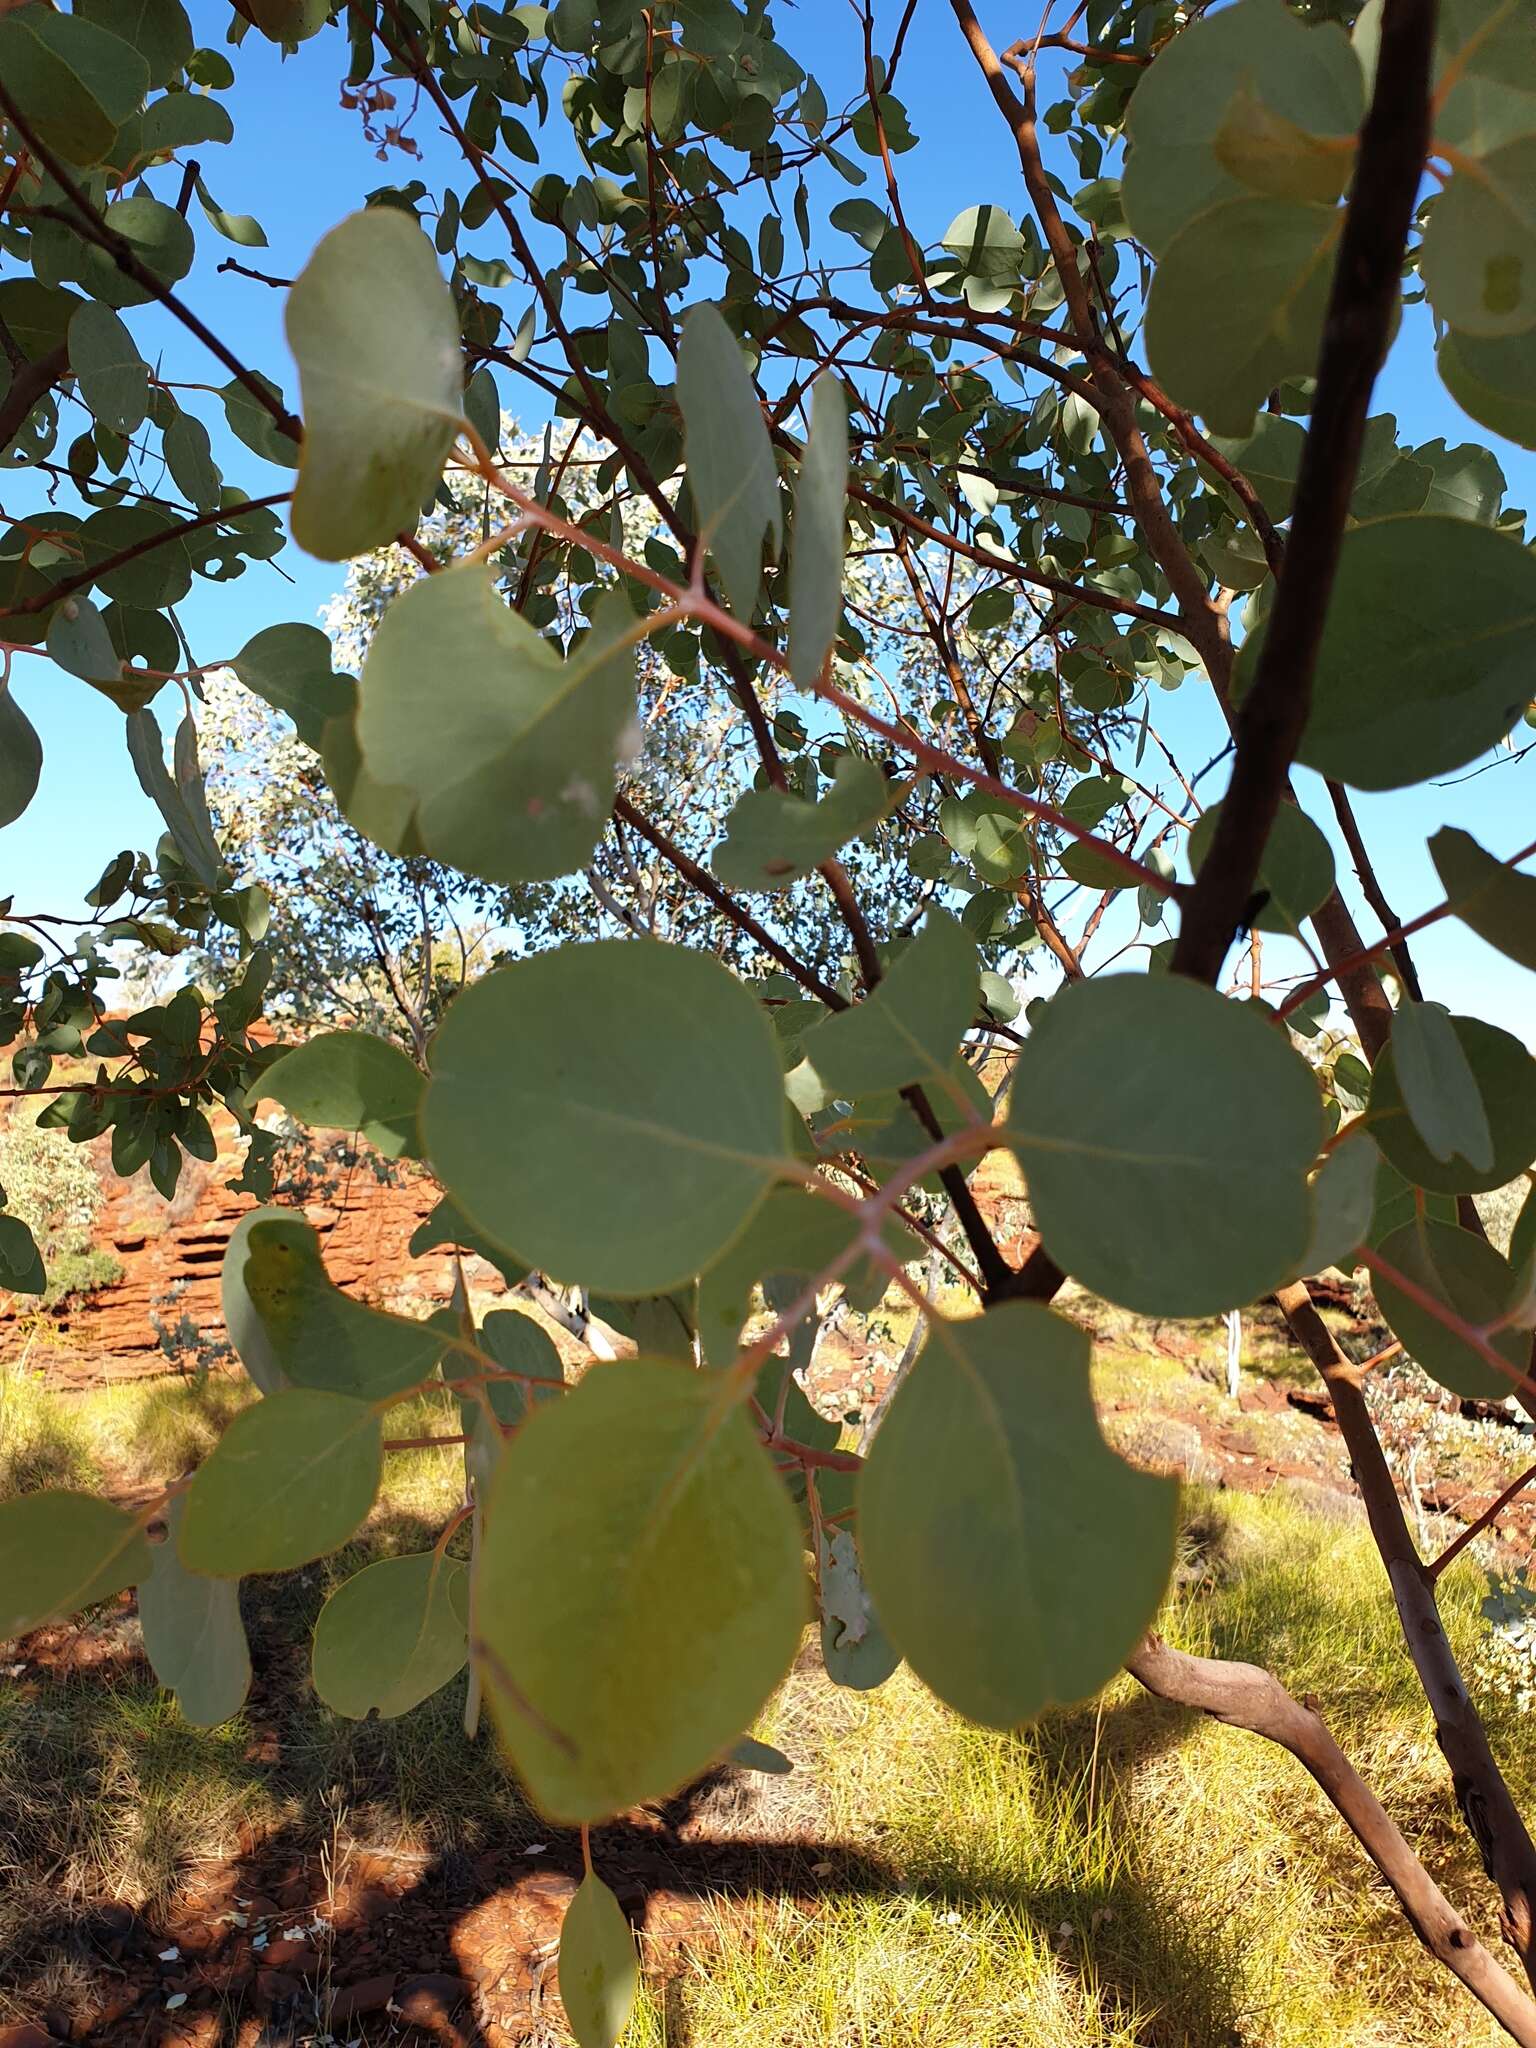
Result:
{"points": [[109, 1796]]}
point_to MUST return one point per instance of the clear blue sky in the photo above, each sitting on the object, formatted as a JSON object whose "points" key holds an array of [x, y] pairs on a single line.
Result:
{"points": [[299, 161]]}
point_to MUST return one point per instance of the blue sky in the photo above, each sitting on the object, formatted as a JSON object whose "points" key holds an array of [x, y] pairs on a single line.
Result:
{"points": [[299, 161]]}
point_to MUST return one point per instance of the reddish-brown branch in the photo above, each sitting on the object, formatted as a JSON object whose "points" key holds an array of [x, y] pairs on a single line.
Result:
{"points": [[1244, 1696], [1484, 1521]]}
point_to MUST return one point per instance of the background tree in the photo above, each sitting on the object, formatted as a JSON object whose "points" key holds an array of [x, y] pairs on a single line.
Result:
{"points": [[843, 612]]}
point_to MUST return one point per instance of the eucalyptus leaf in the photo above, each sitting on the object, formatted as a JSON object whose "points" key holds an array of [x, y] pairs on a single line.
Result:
{"points": [[289, 1480], [1013, 1557], [1165, 1135], [111, 375], [512, 775], [773, 839], [816, 552], [644, 1088], [599, 1972], [1439, 1088], [316, 1334], [1220, 113], [349, 1081], [21, 758], [1296, 870], [677, 1583], [1237, 304], [1464, 1273], [372, 326], [1495, 901], [730, 463], [60, 1552], [908, 1027], [392, 1635], [1504, 1076], [73, 79], [1426, 656], [193, 1635]]}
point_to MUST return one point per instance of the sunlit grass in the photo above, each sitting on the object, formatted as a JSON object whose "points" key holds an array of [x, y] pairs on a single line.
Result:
{"points": [[1120, 1876]]}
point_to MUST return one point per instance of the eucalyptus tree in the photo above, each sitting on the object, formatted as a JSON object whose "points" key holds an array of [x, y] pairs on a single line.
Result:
{"points": [[1112, 432]]}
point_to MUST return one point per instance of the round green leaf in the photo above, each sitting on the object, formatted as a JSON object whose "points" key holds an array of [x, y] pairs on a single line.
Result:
{"points": [[1497, 902], [1494, 381], [1165, 1134], [1237, 305], [1343, 1204], [318, 1335], [289, 667], [59, 1552], [21, 758], [1427, 655], [159, 237], [1014, 1559], [816, 556], [773, 839], [193, 1635], [1479, 254], [1505, 1077], [113, 377], [731, 472], [612, 1112], [74, 81], [288, 1480], [639, 1592], [1468, 1275], [1297, 867], [1258, 57], [599, 1973], [392, 1634], [908, 1027], [373, 328], [513, 775], [349, 1081]]}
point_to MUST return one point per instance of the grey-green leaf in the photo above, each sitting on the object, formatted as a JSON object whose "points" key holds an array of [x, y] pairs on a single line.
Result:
{"points": [[643, 1085], [1426, 657], [628, 1632], [1343, 1203], [1237, 305], [773, 839], [21, 758], [908, 1027], [372, 326], [289, 1480], [1014, 1559], [816, 553], [193, 1635], [1290, 77], [730, 462], [1469, 1277], [513, 773], [599, 1972], [1438, 1086], [59, 1552], [316, 1334], [289, 667], [1296, 871], [1165, 1134], [392, 1634], [113, 377], [1504, 1075], [1497, 902], [349, 1081]]}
